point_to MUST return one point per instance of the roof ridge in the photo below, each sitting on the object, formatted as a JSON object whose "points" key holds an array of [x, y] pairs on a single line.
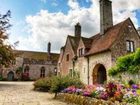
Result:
{"points": [[28, 51]]}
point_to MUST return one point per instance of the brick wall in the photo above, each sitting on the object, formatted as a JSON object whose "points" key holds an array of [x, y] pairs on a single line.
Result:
{"points": [[66, 65]]}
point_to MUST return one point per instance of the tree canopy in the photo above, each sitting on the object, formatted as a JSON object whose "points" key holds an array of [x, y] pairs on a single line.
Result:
{"points": [[6, 52]]}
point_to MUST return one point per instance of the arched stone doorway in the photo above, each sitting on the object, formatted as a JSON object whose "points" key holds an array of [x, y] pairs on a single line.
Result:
{"points": [[10, 76], [99, 74]]}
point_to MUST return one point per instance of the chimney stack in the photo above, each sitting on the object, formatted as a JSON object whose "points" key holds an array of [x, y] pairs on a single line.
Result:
{"points": [[78, 30], [106, 19], [49, 50]]}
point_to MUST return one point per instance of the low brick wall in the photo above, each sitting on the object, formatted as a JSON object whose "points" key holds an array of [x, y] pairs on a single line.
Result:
{"points": [[82, 100]]}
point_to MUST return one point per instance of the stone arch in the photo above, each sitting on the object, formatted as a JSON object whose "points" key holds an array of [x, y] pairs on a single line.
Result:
{"points": [[99, 74], [10, 76]]}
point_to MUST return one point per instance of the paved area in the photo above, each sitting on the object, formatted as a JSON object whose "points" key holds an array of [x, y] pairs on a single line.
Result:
{"points": [[21, 93]]}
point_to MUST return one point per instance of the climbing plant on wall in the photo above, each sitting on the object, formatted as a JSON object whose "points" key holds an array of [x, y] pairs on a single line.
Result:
{"points": [[129, 63]]}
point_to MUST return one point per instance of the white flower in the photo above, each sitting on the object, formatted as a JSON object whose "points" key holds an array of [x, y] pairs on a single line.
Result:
{"points": [[100, 88]]}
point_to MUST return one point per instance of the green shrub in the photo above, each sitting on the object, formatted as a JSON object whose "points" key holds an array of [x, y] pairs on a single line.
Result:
{"points": [[133, 69], [57, 83], [113, 71], [124, 62], [129, 63], [43, 84], [61, 82], [137, 57]]}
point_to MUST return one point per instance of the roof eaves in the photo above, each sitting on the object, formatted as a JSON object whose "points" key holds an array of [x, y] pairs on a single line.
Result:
{"points": [[87, 55]]}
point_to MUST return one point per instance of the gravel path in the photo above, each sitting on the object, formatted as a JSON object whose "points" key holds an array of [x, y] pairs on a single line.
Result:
{"points": [[21, 93]]}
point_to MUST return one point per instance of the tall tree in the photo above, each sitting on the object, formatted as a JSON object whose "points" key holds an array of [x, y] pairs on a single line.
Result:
{"points": [[6, 52]]}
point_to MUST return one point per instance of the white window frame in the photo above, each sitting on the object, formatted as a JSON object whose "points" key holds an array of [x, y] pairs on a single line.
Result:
{"points": [[130, 46]]}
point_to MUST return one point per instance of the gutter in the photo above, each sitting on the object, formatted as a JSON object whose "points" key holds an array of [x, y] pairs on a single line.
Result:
{"points": [[88, 70]]}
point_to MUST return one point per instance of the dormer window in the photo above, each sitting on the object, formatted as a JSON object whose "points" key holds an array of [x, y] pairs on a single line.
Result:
{"points": [[81, 51], [130, 46]]}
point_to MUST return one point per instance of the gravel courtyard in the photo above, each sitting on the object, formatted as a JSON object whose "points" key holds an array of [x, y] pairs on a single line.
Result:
{"points": [[21, 93]]}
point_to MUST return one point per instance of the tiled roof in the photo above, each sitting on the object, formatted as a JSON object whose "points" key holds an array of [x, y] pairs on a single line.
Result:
{"points": [[87, 42], [74, 42], [36, 55], [102, 43]]}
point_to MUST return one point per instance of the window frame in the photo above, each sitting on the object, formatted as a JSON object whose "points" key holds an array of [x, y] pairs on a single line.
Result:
{"points": [[42, 72], [130, 46]]}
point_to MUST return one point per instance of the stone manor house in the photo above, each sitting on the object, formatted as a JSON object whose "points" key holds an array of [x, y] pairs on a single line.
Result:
{"points": [[92, 57], [34, 65]]}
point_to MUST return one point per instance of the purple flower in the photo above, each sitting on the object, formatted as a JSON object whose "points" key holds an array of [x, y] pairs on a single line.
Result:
{"points": [[128, 89], [78, 90], [134, 86], [135, 94], [86, 93], [104, 95], [65, 90], [133, 91]]}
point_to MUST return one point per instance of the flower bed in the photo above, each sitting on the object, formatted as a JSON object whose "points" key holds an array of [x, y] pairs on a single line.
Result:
{"points": [[96, 94], [83, 100]]}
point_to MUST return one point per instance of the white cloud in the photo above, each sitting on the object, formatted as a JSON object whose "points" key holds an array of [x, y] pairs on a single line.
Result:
{"points": [[73, 4], [55, 27]]}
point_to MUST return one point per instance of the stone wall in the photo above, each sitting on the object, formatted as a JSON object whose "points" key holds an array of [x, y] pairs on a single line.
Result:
{"points": [[34, 71], [82, 65], [19, 62], [101, 58], [119, 47]]}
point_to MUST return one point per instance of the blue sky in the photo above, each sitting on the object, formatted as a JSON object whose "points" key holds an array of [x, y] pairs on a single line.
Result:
{"points": [[138, 16], [36, 22], [21, 8]]}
